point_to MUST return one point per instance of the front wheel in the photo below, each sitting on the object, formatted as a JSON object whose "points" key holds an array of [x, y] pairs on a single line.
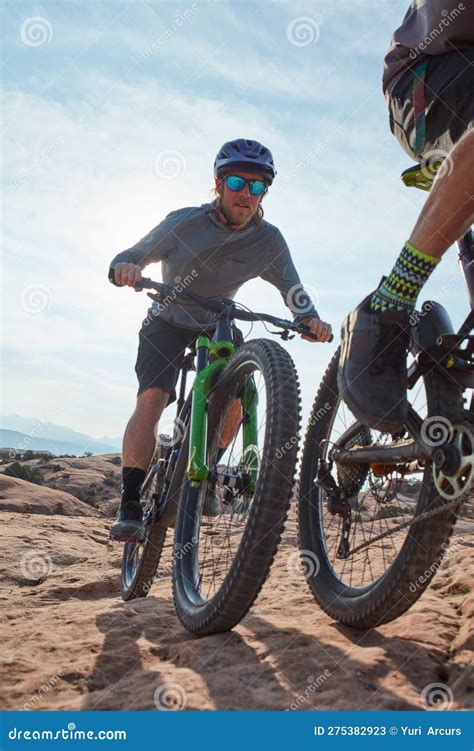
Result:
{"points": [[228, 529]]}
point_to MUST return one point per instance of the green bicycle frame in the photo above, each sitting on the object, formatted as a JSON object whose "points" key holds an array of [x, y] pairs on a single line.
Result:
{"points": [[197, 467]]}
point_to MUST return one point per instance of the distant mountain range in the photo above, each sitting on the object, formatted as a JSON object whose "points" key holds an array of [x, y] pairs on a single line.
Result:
{"points": [[22, 433]]}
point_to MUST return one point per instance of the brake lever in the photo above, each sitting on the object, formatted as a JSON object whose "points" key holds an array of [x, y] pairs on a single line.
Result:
{"points": [[285, 334]]}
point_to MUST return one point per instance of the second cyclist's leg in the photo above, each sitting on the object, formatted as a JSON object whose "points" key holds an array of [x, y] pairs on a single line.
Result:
{"points": [[375, 337], [449, 211]]}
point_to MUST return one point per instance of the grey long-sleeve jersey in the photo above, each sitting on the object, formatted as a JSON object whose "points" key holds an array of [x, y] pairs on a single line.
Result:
{"points": [[200, 254]]}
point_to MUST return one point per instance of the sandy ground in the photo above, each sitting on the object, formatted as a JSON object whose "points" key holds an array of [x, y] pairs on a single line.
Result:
{"points": [[69, 642]]}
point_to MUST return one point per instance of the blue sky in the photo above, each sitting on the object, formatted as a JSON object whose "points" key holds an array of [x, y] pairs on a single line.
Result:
{"points": [[102, 98]]}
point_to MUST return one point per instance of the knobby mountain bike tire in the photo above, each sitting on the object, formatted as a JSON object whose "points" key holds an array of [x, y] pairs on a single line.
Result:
{"points": [[140, 560], [264, 515], [408, 575]]}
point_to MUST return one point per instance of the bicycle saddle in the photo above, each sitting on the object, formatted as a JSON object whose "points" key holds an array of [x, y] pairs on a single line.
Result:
{"points": [[418, 177]]}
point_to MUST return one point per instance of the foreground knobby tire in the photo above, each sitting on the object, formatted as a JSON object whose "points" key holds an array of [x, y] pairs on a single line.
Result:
{"points": [[408, 575], [140, 560], [266, 512]]}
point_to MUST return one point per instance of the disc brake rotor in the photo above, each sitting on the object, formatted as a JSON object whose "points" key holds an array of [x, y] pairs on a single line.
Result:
{"points": [[454, 483]]}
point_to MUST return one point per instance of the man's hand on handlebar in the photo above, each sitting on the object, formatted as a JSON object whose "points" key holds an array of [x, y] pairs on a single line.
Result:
{"points": [[127, 275], [319, 329]]}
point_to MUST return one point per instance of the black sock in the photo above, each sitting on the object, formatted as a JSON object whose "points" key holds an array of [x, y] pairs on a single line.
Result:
{"points": [[132, 481]]}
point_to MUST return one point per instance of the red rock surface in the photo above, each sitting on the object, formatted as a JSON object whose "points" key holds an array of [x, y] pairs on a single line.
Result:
{"points": [[69, 642]]}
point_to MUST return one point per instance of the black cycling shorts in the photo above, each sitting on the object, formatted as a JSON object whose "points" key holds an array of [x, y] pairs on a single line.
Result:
{"points": [[448, 104], [160, 355]]}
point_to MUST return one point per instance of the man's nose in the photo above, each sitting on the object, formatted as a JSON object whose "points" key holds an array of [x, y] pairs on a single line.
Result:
{"points": [[246, 191]]}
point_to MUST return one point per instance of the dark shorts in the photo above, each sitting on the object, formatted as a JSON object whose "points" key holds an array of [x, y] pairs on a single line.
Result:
{"points": [[161, 349], [448, 104]]}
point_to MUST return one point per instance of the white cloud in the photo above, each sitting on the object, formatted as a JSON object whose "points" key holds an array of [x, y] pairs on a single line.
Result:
{"points": [[73, 207]]}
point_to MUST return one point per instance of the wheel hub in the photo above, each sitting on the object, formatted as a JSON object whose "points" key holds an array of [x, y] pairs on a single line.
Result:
{"points": [[453, 465]]}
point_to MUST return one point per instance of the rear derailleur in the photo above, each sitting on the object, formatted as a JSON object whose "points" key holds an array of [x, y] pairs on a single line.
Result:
{"points": [[337, 505]]}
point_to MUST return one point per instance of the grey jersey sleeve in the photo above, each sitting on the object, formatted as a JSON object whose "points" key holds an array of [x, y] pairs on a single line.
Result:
{"points": [[280, 271], [152, 248]]}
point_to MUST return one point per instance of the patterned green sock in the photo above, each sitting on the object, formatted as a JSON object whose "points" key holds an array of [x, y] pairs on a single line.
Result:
{"points": [[401, 288]]}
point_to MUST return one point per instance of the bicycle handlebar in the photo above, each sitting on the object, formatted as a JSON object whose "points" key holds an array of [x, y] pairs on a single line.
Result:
{"points": [[219, 306]]}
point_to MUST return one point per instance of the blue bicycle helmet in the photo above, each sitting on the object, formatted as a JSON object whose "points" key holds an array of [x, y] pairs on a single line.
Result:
{"points": [[245, 154]]}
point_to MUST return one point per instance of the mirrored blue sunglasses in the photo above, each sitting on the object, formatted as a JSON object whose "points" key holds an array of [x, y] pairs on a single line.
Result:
{"points": [[236, 183]]}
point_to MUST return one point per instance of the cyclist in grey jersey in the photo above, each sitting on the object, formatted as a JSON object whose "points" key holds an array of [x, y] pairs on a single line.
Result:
{"points": [[210, 250]]}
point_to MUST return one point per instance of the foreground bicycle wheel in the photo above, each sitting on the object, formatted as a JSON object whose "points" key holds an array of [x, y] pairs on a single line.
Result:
{"points": [[221, 561], [140, 560], [371, 566]]}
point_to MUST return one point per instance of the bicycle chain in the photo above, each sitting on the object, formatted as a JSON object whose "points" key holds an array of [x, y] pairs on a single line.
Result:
{"points": [[421, 517]]}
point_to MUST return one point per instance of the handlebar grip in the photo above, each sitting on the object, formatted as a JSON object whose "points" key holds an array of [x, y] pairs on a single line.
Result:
{"points": [[306, 328]]}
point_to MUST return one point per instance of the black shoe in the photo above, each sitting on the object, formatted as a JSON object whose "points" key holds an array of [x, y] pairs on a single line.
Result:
{"points": [[128, 526], [372, 377]]}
